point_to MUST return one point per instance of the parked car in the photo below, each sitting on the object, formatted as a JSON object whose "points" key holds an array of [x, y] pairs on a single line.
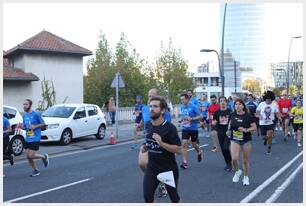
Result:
{"points": [[69, 121], [17, 139]]}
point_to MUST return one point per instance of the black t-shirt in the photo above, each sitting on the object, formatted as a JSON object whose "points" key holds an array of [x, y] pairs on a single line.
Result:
{"points": [[222, 117], [159, 158], [244, 121]]}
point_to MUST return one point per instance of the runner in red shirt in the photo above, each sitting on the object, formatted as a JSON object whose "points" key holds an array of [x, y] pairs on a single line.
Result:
{"points": [[214, 106], [285, 106]]}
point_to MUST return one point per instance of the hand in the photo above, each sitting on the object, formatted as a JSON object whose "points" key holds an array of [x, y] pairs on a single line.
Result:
{"points": [[228, 133], [241, 129], [188, 118], [157, 138], [144, 149], [33, 127]]}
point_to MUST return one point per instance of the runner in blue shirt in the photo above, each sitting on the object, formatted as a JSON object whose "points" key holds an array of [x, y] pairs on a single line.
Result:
{"points": [[252, 105], [138, 113], [192, 99], [190, 118], [6, 139], [33, 123]]}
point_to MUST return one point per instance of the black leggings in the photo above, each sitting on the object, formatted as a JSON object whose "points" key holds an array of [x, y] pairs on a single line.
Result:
{"points": [[225, 142], [150, 183]]}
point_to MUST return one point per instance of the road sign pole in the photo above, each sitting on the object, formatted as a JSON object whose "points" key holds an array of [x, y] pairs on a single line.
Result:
{"points": [[117, 103]]}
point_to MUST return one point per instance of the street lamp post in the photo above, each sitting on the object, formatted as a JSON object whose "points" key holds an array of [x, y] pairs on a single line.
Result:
{"points": [[295, 37], [220, 68]]}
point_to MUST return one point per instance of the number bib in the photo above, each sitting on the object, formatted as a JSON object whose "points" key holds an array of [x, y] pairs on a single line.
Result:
{"points": [[285, 110], [30, 133], [237, 135]]}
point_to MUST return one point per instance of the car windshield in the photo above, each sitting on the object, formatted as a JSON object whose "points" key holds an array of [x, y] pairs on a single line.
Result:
{"points": [[59, 111]]}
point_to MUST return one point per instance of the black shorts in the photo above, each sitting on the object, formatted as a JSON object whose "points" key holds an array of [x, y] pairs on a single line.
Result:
{"points": [[193, 134], [214, 128], [150, 183], [32, 146], [297, 127], [265, 128], [205, 121]]}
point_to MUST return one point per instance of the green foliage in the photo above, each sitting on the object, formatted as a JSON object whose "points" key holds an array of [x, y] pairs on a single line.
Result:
{"points": [[48, 95], [253, 85]]}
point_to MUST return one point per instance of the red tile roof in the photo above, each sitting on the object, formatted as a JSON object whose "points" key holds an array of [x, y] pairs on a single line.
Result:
{"points": [[48, 42], [14, 74]]}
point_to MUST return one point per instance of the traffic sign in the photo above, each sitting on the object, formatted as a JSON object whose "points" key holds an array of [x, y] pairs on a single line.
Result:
{"points": [[121, 82]]}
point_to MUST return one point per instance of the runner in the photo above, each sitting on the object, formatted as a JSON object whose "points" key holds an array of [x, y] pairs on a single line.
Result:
{"points": [[241, 125], [285, 107], [266, 113], [143, 154], [6, 139], [192, 99], [204, 104], [297, 114], [190, 117], [32, 123], [221, 120], [137, 112], [252, 105], [162, 144], [214, 106]]}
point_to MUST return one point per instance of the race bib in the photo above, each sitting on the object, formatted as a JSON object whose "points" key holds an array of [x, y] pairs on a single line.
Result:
{"points": [[223, 120], [298, 117], [30, 133], [285, 110], [237, 135], [186, 123]]}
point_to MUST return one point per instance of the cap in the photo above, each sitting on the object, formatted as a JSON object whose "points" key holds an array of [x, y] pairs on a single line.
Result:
{"points": [[139, 97]]}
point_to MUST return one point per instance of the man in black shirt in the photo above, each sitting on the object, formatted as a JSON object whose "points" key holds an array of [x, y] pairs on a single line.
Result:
{"points": [[162, 144], [221, 120]]}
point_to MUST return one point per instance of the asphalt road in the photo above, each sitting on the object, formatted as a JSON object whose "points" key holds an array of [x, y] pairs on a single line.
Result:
{"points": [[110, 174]]}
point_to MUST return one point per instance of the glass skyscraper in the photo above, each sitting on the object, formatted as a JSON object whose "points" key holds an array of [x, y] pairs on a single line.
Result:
{"points": [[244, 35]]}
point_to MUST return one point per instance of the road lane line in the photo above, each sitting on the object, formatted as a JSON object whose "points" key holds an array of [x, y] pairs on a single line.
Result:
{"points": [[269, 180], [281, 188], [204, 145], [46, 191]]}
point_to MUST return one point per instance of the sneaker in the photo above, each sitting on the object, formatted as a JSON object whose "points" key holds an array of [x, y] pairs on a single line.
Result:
{"points": [[35, 173], [299, 145], [200, 156], [228, 168], [162, 190], [46, 160], [269, 151], [184, 165], [214, 149], [237, 176], [246, 181], [11, 159]]}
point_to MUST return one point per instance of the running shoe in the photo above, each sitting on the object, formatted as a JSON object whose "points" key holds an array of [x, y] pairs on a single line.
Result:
{"points": [[246, 181], [228, 168], [214, 149], [269, 151], [46, 160], [299, 145], [11, 159], [184, 165], [162, 190], [200, 156], [35, 173], [237, 176]]}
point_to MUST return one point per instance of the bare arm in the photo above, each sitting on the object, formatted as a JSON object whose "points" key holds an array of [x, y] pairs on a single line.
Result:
{"points": [[171, 148]]}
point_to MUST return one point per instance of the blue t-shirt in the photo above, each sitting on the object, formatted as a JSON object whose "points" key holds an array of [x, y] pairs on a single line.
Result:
{"points": [[192, 111], [29, 119], [6, 123], [138, 107], [231, 105], [204, 107], [252, 107], [194, 101], [146, 115]]}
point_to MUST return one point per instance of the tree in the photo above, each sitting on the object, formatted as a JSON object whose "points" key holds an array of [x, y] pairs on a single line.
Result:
{"points": [[171, 72], [253, 85]]}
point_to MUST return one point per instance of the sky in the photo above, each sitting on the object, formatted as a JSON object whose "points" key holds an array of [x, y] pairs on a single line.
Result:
{"points": [[192, 26]]}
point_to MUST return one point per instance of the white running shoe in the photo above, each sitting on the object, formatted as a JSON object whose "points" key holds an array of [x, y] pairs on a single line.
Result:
{"points": [[237, 176], [246, 180], [299, 145]]}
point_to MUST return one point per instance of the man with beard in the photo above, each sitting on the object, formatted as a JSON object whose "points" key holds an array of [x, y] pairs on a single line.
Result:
{"points": [[33, 123], [162, 144]]}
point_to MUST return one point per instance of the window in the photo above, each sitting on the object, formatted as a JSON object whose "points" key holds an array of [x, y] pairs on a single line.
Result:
{"points": [[9, 113], [81, 113], [92, 110]]}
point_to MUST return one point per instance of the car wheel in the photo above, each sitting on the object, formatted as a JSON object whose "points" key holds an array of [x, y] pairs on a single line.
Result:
{"points": [[16, 145], [66, 137], [101, 132]]}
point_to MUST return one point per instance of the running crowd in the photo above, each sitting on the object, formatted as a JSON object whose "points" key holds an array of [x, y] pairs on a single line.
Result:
{"points": [[230, 121]]}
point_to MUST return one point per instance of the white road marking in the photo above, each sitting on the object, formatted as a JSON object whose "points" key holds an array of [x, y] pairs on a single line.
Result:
{"points": [[281, 188], [46, 191], [204, 145], [269, 180]]}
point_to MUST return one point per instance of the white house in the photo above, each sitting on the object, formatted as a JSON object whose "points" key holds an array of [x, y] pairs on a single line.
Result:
{"points": [[48, 56]]}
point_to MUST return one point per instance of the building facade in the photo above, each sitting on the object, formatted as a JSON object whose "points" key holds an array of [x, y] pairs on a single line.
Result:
{"points": [[44, 56], [279, 72]]}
